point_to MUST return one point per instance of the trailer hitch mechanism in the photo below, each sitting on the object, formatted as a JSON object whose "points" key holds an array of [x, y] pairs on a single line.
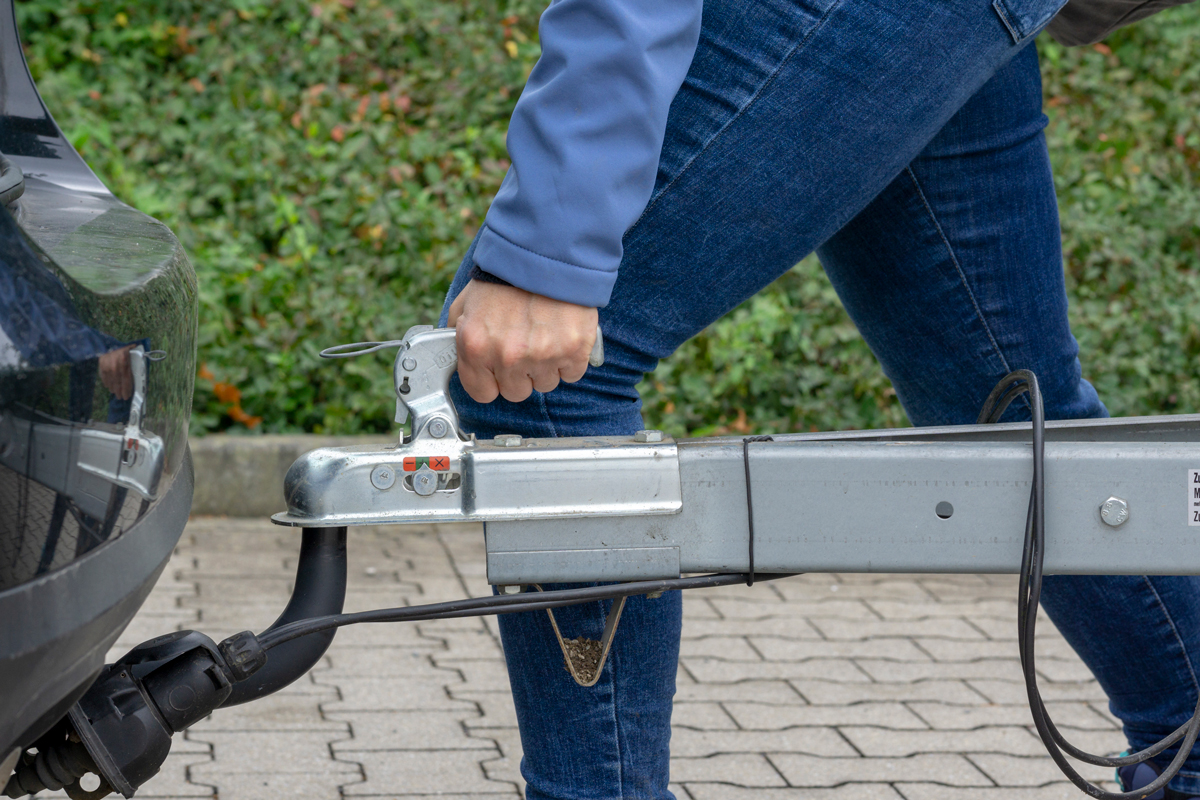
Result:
{"points": [[610, 509]]}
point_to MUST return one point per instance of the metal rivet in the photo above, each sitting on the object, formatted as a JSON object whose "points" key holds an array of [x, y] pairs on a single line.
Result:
{"points": [[510, 589], [409, 364], [648, 437], [1114, 511], [383, 477], [438, 428], [507, 440], [425, 481]]}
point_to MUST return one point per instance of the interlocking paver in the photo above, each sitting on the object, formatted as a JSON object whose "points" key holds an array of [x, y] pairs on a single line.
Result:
{"points": [[857, 791], [817, 687], [739, 769], [837, 693], [1065, 715], [770, 716], [817, 741], [712, 670], [953, 769], [892, 648], [1036, 771], [878, 742], [703, 717]]}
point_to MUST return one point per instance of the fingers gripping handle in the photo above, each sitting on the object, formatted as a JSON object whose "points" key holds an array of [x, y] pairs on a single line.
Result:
{"points": [[424, 365]]}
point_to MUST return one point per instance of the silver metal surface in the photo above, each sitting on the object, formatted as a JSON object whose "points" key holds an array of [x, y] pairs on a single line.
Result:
{"points": [[648, 436], [605, 475], [596, 357], [507, 440], [383, 477], [1114, 511], [425, 481], [424, 389], [848, 505]]}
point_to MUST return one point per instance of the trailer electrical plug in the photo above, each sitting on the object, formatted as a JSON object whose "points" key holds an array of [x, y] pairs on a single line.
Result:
{"points": [[121, 729]]}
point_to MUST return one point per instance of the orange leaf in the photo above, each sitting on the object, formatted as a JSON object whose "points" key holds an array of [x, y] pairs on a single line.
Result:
{"points": [[204, 373], [227, 392], [238, 415], [338, 133], [196, 84], [1102, 49]]}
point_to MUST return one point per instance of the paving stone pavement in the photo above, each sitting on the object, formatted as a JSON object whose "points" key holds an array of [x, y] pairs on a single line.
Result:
{"points": [[873, 687]]}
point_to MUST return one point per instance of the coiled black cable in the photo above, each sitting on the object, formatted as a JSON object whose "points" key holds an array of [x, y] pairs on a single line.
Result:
{"points": [[1029, 593]]}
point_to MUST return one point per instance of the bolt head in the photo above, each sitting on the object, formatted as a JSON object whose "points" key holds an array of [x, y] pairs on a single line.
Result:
{"points": [[425, 481], [507, 440], [648, 437], [409, 364], [513, 588], [1114, 511], [383, 477], [438, 428]]}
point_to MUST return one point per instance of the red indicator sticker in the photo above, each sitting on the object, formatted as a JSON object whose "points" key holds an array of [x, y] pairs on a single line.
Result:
{"points": [[410, 464], [439, 462]]}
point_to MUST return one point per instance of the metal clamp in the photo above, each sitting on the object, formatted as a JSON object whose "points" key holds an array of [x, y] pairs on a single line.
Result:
{"points": [[610, 629]]}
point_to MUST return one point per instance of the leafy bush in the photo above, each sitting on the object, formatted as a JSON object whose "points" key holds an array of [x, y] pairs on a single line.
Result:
{"points": [[326, 164]]}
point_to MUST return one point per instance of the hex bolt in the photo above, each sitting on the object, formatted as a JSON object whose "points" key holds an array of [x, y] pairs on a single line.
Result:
{"points": [[438, 428], [648, 437], [1114, 511], [383, 477], [425, 481], [507, 440], [409, 364], [511, 588]]}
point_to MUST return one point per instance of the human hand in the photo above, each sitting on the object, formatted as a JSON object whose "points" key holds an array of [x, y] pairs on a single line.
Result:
{"points": [[512, 342], [116, 374]]}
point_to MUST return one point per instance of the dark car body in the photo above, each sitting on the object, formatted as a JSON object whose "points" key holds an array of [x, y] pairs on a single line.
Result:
{"points": [[95, 479]]}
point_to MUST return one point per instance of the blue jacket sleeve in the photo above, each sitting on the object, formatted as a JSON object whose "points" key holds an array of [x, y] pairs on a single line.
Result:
{"points": [[584, 141]]}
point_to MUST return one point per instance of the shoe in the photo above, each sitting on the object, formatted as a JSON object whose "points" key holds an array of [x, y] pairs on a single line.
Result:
{"points": [[1139, 775]]}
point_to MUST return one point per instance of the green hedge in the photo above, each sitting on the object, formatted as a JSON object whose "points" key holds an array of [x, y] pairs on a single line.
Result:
{"points": [[326, 163]]}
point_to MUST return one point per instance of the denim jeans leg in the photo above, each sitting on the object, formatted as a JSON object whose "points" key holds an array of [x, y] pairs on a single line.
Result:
{"points": [[954, 276], [794, 116]]}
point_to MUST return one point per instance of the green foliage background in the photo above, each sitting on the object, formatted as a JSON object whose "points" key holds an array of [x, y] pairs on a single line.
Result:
{"points": [[326, 163]]}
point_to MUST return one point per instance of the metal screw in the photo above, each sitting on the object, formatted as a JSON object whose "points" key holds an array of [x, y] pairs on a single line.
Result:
{"points": [[409, 364], [511, 589], [438, 428], [648, 437], [425, 481], [507, 440], [383, 477], [1114, 511]]}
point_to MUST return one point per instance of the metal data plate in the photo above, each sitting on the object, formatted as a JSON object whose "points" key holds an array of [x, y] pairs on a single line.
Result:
{"points": [[540, 478], [844, 503]]}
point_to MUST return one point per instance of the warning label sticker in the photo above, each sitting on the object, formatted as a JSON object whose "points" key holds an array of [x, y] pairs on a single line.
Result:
{"points": [[1193, 487]]}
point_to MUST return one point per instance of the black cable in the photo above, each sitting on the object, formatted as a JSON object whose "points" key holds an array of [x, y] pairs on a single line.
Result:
{"points": [[1029, 592], [498, 604], [749, 503]]}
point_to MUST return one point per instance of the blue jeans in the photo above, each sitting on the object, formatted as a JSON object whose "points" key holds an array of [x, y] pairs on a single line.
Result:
{"points": [[903, 142]]}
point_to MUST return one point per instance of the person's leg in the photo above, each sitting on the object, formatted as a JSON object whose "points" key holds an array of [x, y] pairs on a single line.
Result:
{"points": [[954, 276], [793, 117]]}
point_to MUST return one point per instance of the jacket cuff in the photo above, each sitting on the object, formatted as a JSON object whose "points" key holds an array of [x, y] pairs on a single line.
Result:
{"points": [[536, 273]]}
